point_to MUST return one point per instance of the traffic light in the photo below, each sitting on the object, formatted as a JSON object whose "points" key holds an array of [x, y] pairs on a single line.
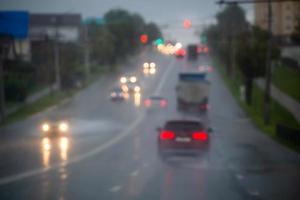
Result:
{"points": [[159, 41], [144, 39], [203, 39], [187, 23]]}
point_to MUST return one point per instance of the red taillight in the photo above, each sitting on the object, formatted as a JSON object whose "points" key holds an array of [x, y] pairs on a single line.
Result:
{"points": [[200, 136], [209, 69], [147, 102], [163, 103], [199, 50], [205, 49], [204, 107], [167, 135]]}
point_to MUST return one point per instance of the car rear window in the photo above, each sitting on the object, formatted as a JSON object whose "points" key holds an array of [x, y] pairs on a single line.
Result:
{"points": [[183, 125]]}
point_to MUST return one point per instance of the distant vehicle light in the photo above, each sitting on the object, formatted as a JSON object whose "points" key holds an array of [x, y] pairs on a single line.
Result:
{"points": [[152, 65], [147, 102], [63, 127], [125, 88], [46, 144], [64, 143], [152, 71], [45, 127], [178, 45], [113, 94], [163, 103], [146, 65], [133, 79], [167, 135], [137, 89], [123, 80], [200, 136]]}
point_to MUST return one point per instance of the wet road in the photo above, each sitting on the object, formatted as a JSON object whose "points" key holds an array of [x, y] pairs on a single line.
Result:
{"points": [[112, 152]]}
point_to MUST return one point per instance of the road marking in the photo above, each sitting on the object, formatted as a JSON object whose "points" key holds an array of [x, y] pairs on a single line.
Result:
{"points": [[239, 176], [134, 173], [93, 152], [116, 188], [254, 192], [164, 78]]}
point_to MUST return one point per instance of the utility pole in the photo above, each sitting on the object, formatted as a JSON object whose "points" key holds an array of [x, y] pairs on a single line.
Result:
{"points": [[86, 51], [267, 98], [57, 56], [2, 97]]}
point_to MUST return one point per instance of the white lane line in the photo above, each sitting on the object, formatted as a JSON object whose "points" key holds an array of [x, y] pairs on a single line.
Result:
{"points": [[164, 78], [134, 173], [116, 188], [93, 152]]}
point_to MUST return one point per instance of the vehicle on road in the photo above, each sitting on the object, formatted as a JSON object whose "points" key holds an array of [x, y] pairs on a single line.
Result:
{"points": [[180, 53], [192, 52], [149, 68], [55, 126], [183, 136], [130, 84], [155, 102], [192, 92], [117, 93]]}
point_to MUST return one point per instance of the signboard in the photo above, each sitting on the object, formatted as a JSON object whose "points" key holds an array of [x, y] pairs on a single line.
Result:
{"points": [[14, 24]]}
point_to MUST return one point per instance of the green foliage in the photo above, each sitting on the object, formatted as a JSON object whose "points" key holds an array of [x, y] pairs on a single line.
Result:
{"points": [[287, 80], [18, 79]]}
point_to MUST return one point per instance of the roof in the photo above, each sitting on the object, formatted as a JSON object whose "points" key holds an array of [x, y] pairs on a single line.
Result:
{"points": [[67, 19]]}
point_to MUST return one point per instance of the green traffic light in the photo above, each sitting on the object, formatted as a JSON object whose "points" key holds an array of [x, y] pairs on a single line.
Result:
{"points": [[159, 41]]}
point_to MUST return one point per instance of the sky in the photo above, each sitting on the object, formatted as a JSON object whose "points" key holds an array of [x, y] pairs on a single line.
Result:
{"points": [[169, 14]]}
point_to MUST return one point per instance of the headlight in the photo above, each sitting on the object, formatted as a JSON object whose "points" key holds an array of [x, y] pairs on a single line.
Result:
{"points": [[63, 127], [125, 88], [123, 80], [152, 65], [45, 127], [133, 79], [137, 89], [113, 94], [152, 71], [146, 65]]}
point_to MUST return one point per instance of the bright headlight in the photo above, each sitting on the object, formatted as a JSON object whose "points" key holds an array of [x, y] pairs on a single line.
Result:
{"points": [[123, 80], [152, 65], [146, 65], [45, 127], [133, 79], [63, 127]]}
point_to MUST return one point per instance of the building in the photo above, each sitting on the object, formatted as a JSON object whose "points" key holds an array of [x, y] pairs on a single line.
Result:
{"points": [[285, 17]]}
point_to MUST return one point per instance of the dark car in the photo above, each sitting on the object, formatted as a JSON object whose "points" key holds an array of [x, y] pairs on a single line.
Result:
{"points": [[182, 137], [155, 102], [117, 94]]}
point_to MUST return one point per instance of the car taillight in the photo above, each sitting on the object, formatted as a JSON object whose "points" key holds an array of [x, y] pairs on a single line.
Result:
{"points": [[167, 135], [204, 107], [163, 103], [200, 136], [147, 102], [209, 69]]}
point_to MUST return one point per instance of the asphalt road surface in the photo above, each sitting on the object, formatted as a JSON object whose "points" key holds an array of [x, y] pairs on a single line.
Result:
{"points": [[112, 150]]}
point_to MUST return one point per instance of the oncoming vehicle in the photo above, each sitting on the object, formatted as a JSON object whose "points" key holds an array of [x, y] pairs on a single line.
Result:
{"points": [[130, 84], [183, 136], [55, 126], [149, 68]]}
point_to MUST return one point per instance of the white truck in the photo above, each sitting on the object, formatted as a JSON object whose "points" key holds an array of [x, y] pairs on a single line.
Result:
{"points": [[192, 92]]}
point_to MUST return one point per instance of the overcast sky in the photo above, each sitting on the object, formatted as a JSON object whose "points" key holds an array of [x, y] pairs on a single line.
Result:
{"points": [[163, 12]]}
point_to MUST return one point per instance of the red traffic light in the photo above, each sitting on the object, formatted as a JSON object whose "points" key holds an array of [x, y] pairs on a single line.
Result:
{"points": [[144, 38], [187, 23]]}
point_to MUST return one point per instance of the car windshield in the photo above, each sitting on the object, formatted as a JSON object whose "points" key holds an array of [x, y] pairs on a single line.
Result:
{"points": [[150, 99]]}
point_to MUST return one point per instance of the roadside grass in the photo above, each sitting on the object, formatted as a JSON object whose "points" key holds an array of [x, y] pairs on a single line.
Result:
{"points": [[47, 101], [287, 80], [278, 113]]}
